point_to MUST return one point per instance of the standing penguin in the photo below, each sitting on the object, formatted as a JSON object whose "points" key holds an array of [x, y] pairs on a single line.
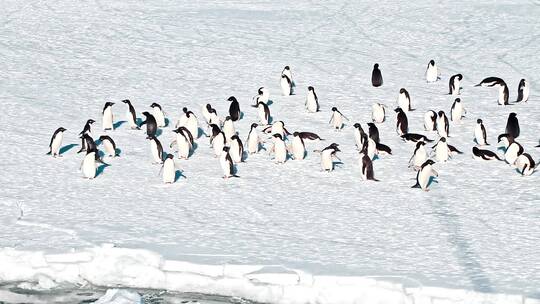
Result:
{"points": [[190, 121], [424, 175], [377, 113], [227, 164], [210, 115], [454, 84], [359, 136], [236, 149], [366, 165], [132, 115], [151, 125], [512, 125], [496, 82], [430, 121], [56, 142], [513, 151], [373, 132], [327, 155], [109, 144], [279, 149], [312, 102], [158, 115], [298, 147], [183, 141], [88, 131], [234, 109], [443, 126], [253, 141], [228, 128], [337, 119], [287, 72], [157, 149], [264, 113], [108, 116], [432, 72], [480, 133], [402, 124], [286, 85], [404, 100], [442, 151], [457, 111], [376, 76], [419, 156], [169, 170], [525, 164], [523, 91], [88, 165], [277, 127], [89, 143], [263, 95], [218, 141]]}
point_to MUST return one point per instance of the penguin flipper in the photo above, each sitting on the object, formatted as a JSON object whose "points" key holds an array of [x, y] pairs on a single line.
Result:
{"points": [[417, 185]]}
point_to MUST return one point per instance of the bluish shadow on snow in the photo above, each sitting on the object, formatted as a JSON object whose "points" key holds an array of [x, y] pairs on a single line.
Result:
{"points": [[159, 132], [66, 148], [270, 102], [178, 174], [193, 149], [100, 169], [241, 115], [117, 124], [118, 152], [200, 132], [167, 121]]}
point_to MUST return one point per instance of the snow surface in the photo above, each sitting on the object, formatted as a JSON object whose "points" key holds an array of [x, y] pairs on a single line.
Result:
{"points": [[477, 229]]}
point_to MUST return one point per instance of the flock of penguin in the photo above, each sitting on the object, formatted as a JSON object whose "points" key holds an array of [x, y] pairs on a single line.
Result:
{"points": [[227, 145]]}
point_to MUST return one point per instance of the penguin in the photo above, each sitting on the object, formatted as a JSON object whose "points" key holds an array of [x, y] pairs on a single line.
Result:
{"points": [[366, 165], [402, 124], [253, 141], [442, 151], [169, 170], [277, 127], [192, 123], [264, 113], [183, 141], [404, 100], [109, 144], [424, 175], [298, 147], [327, 155], [378, 113], [227, 164], [512, 125], [56, 142], [263, 95], [157, 149], [498, 82], [443, 126], [279, 149], [419, 156], [382, 149], [513, 151], [210, 115], [151, 125], [480, 133], [86, 130], [228, 128], [503, 140], [337, 119], [236, 149], [108, 116], [413, 137], [376, 76], [218, 142], [523, 91], [132, 116], [286, 85], [88, 165], [373, 132], [89, 143], [432, 72], [287, 72], [234, 109], [457, 110], [525, 164], [312, 102], [454, 84], [430, 121], [359, 136], [481, 154], [158, 115]]}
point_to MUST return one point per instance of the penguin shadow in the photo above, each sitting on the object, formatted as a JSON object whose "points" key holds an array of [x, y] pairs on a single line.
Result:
{"points": [[270, 102], [117, 152], [100, 169], [338, 164], [432, 179], [178, 174], [270, 120], [200, 133], [159, 132], [194, 147], [138, 121], [66, 148], [241, 115], [117, 124], [167, 122]]}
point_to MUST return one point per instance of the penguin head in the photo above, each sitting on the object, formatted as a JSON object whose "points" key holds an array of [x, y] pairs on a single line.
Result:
{"points": [[335, 147], [376, 66], [234, 137], [334, 109], [90, 121], [522, 82], [103, 137], [429, 162], [155, 105], [278, 136], [398, 109], [232, 98], [287, 68], [126, 101], [459, 76], [109, 104], [61, 129], [185, 110], [208, 107], [227, 118], [296, 134], [310, 88], [503, 137], [458, 100], [513, 115], [254, 125], [177, 130], [146, 113], [432, 62], [475, 150], [226, 149], [420, 143], [441, 113], [357, 125], [478, 121], [372, 125], [260, 91], [443, 139], [170, 156], [402, 91]]}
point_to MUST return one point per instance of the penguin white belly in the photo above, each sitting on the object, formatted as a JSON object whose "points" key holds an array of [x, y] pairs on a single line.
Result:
{"points": [[229, 130], [457, 85], [108, 119], [377, 114], [371, 148], [265, 96], [169, 172], [526, 92], [441, 152], [218, 143], [523, 162], [424, 176], [160, 118], [457, 112], [183, 146], [235, 152], [131, 121], [511, 154], [337, 121], [419, 157], [479, 135], [262, 115], [253, 143], [57, 143], [403, 102], [501, 95], [298, 148], [285, 87], [278, 129], [311, 103], [441, 128], [205, 114], [89, 165], [182, 121], [155, 152], [109, 148], [214, 119], [193, 126], [432, 74], [280, 151], [358, 139], [326, 160], [225, 165]]}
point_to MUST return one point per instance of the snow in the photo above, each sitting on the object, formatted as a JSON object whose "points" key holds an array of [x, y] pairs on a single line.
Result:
{"points": [[472, 238], [119, 296]]}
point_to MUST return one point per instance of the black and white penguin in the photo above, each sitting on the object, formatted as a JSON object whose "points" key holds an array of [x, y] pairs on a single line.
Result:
{"points": [[457, 110], [413, 137], [376, 76], [151, 124], [454, 85], [183, 141], [404, 100], [132, 115], [525, 164], [360, 136], [108, 116], [279, 149], [287, 72], [513, 150], [278, 127], [312, 101], [169, 170], [432, 72], [87, 129], [190, 121], [481, 154], [286, 85], [523, 91], [157, 149], [218, 140], [430, 121], [236, 149], [419, 156], [498, 82], [298, 147], [327, 156], [56, 142], [264, 113], [159, 115], [210, 115], [227, 164], [88, 143], [109, 144], [234, 109], [373, 132], [378, 114], [337, 119], [366, 166], [442, 150], [88, 165], [443, 126], [424, 175], [402, 124], [480, 134], [253, 141], [512, 125], [228, 128], [263, 95]]}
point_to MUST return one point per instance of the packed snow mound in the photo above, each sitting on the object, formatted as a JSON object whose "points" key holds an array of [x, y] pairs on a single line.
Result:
{"points": [[109, 266]]}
